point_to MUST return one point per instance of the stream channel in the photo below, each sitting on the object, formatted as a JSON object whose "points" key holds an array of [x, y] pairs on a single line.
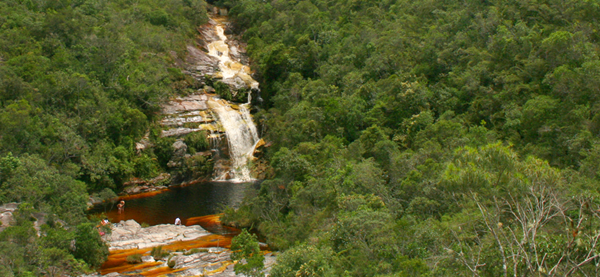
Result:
{"points": [[186, 203], [233, 138], [231, 130]]}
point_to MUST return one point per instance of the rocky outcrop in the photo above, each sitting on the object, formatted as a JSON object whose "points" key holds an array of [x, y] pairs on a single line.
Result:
{"points": [[199, 63], [137, 185], [184, 115], [6, 215], [39, 219], [208, 261], [130, 234], [213, 261], [188, 104]]}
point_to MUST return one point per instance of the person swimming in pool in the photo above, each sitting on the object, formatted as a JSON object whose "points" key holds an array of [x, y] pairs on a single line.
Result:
{"points": [[121, 206]]}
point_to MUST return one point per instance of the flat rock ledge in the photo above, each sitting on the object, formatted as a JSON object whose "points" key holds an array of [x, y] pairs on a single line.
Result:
{"points": [[130, 235], [212, 261], [215, 263]]}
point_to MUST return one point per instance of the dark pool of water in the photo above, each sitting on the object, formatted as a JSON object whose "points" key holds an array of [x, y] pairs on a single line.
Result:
{"points": [[183, 202]]}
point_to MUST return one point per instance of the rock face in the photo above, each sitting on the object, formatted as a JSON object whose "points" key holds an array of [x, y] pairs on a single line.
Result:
{"points": [[130, 234], [141, 185], [6, 214], [212, 261], [7, 219], [186, 104], [184, 115]]}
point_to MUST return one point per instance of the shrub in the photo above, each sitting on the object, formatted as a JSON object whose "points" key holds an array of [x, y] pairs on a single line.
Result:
{"points": [[222, 90], [158, 253], [194, 251], [172, 262], [197, 141], [241, 96], [89, 246], [245, 247], [134, 259], [163, 149]]}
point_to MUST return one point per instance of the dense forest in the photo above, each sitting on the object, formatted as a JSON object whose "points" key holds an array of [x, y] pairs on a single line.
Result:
{"points": [[427, 137], [80, 82], [406, 138]]}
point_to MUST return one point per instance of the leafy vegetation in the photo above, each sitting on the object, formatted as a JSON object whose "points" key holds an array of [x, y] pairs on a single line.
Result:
{"points": [[246, 252], [197, 141], [80, 83], [427, 137], [134, 258], [407, 137], [158, 253]]}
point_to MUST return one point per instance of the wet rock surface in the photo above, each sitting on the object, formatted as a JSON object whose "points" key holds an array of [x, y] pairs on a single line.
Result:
{"points": [[204, 261], [215, 58]]}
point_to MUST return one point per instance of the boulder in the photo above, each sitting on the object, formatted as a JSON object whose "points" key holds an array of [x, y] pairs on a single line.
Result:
{"points": [[137, 185], [180, 148], [236, 83], [209, 89]]}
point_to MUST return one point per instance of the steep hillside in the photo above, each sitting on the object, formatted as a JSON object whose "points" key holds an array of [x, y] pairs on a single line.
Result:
{"points": [[427, 137], [80, 82]]}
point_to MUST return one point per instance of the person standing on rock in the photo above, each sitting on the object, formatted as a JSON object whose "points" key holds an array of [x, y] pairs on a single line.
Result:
{"points": [[121, 206], [177, 221]]}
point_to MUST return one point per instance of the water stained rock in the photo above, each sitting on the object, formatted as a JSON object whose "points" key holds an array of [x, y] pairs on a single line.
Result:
{"points": [[192, 250], [130, 235], [229, 127], [190, 103]]}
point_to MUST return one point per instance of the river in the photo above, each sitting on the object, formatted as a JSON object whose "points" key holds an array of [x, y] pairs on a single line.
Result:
{"points": [[178, 202], [223, 120]]}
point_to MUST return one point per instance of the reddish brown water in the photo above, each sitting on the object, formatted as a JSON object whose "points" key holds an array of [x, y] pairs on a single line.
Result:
{"points": [[117, 259], [184, 202], [196, 204]]}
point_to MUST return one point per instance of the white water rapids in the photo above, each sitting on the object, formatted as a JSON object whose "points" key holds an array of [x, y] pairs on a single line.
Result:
{"points": [[241, 138], [221, 119], [238, 125], [229, 68]]}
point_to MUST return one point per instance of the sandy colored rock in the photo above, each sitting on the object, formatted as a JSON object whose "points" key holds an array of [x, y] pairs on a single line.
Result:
{"points": [[130, 234]]}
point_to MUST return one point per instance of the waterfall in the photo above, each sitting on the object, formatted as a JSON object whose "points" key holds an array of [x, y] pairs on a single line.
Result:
{"points": [[239, 128], [241, 137], [229, 68], [223, 121]]}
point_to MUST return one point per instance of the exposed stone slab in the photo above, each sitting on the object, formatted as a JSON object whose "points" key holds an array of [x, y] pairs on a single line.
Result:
{"points": [[130, 235], [6, 214], [182, 105], [213, 261], [179, 131]]}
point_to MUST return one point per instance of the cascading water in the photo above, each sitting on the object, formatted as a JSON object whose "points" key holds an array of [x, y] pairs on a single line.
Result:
{"points": [[241, 138], [201, 112], [218, 117], [229, 68], [238, 125]]}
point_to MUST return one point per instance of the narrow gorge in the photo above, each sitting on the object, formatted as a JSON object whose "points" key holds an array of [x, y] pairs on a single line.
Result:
{"points": [[227, 125]]}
